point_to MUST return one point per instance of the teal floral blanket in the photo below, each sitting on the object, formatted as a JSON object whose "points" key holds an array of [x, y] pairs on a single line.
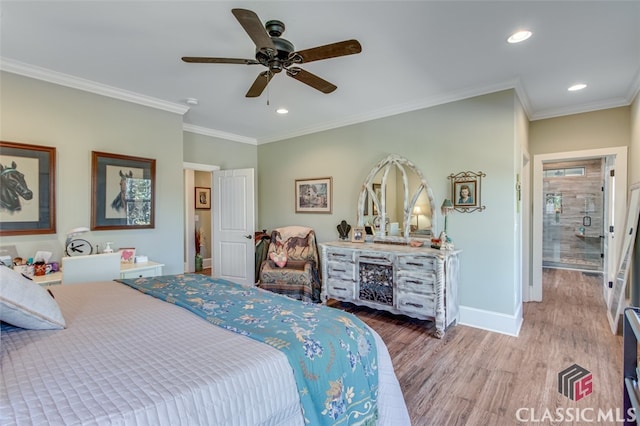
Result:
{"points": [[331, 352]]}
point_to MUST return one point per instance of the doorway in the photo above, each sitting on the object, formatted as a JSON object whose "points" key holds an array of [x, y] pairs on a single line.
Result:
{"points": [[613, 200], [205, 179], [573, 226]]}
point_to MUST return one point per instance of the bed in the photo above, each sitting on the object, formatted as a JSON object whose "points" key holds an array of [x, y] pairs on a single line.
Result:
{"points": [[125, 357]]}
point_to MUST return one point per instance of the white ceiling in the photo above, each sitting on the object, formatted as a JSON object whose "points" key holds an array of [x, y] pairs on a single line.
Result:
{"points": [[414, 54]]}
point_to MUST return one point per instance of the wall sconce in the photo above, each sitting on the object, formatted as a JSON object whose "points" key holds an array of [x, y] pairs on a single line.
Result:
{"points": [[446, 208]]}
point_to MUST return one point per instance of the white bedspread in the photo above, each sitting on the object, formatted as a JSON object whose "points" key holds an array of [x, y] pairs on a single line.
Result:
{"points": [[130, 359]]}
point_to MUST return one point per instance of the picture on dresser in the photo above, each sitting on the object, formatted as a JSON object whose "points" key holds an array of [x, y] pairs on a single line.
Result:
{"points": [[127, 255], [358, 234], [27, 183], [123, 190]]}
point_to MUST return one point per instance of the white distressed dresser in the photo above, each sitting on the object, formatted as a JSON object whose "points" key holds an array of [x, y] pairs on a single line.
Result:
{"points": [[418, 282]]}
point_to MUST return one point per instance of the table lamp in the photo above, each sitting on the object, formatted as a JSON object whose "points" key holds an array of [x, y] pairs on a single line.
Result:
{"points": [[417, 212], [446, 208]]}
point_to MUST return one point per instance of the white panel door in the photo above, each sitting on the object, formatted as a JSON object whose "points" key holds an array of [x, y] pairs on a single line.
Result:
{"points": [[233, 223]]}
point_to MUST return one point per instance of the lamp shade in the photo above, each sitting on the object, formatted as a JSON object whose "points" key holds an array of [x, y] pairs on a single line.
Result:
{"points": [[447, 206]]}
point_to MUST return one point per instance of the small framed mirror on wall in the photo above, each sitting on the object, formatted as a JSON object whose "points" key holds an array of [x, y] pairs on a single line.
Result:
{"points": [[616, 302]]}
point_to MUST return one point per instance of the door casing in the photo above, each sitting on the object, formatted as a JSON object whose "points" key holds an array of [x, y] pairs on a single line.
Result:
{"points": [[618, 200]]}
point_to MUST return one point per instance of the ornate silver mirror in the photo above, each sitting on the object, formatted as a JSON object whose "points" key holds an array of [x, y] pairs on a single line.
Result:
{"points": [[397, 201]]}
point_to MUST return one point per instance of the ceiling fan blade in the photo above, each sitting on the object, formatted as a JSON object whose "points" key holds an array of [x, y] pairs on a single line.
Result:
{"points": [[311, 79], [205, 60], [333, 50], [259, 85], [252, 25]]}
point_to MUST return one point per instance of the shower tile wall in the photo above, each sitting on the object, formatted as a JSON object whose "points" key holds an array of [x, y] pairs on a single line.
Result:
{"points": [[573, 226]]}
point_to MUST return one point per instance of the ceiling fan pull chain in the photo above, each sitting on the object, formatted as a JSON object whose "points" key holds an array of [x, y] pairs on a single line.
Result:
{"points": [[267, 77]]}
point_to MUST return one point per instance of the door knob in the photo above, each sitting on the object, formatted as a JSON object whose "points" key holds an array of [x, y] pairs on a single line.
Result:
{"points": [[248, 237]]}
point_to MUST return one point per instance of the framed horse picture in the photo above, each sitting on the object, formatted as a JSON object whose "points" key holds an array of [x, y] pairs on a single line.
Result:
{"points": [[27, 189], [123, 191]]}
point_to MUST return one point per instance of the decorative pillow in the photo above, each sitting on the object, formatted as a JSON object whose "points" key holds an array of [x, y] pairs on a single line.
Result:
{"points": [[279, 259], [25, 304]]}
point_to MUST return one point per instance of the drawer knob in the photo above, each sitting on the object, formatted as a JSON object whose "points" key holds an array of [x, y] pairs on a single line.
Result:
{"points": [[416, 305]]}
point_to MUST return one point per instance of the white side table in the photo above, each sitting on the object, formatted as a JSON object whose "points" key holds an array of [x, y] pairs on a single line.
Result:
{"points": [[139, 270], [127, 270]]}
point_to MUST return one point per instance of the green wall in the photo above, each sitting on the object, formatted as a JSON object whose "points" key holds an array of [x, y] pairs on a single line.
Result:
{"points": [[77, 122], [487, 133], [210, 150], [472, 135]]}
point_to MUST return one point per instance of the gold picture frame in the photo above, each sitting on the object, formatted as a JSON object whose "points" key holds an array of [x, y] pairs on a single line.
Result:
{"points": [[358, 234]]}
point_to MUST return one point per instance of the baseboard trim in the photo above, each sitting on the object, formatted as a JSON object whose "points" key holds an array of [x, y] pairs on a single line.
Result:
{"points": [[491, 321], [206, 263]]}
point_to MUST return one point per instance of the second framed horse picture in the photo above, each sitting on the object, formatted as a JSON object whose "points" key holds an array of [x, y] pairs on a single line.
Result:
{"points": [[123, 191]]}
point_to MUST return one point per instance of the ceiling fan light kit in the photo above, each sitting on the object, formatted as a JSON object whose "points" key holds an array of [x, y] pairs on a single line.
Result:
{"points": [[277, 54]]}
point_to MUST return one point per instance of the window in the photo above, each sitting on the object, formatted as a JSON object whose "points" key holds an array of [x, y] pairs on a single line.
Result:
{"points": [[570, 171]]}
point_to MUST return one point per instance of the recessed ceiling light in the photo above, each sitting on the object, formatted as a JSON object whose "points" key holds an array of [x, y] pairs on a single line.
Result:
{"points": [[519, 36], [282, 111], [192, 101], [577, 87]]}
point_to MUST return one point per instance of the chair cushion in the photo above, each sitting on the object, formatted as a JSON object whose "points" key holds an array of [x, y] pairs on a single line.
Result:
{"points": [[279, 259], [26, 304]]}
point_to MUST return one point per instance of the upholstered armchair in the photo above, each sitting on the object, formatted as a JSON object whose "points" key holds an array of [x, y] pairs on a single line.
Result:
{"points": [[291, 266]]}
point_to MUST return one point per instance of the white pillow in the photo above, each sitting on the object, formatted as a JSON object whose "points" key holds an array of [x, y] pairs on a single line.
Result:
{"points": [[25, 304]]}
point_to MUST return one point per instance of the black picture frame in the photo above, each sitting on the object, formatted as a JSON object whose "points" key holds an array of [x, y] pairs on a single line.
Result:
{"points": [[202, 198], [123, 191], [37, 166]]}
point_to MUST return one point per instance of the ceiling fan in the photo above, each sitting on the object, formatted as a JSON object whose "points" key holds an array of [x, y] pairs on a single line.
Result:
{"points": [[278, 54]]}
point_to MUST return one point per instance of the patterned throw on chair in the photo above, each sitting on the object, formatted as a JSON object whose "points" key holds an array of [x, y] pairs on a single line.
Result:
{"points": [[295, 249]]}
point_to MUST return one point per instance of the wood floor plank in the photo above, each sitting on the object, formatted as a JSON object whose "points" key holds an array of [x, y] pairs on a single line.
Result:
{"points": [[476, 377]]}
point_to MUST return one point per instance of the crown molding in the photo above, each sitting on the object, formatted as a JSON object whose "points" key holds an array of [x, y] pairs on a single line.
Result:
{"points": [[15, 67], [406, 107], [594, 106], [634, 88], [205, 131]]}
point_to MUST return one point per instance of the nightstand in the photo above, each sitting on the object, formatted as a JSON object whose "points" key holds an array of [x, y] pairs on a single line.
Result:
{"points": [[139, 270]]}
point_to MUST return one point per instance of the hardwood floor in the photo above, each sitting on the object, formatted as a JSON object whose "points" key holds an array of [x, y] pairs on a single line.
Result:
{"points": [[476, 377]]}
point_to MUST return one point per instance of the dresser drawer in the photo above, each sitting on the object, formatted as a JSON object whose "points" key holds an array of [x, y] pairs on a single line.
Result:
{"points": [[341, 270], [417, 283], [150, 272], [341, 289], [417, 262], [376, 258], [340, 256], [421, 304]]}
